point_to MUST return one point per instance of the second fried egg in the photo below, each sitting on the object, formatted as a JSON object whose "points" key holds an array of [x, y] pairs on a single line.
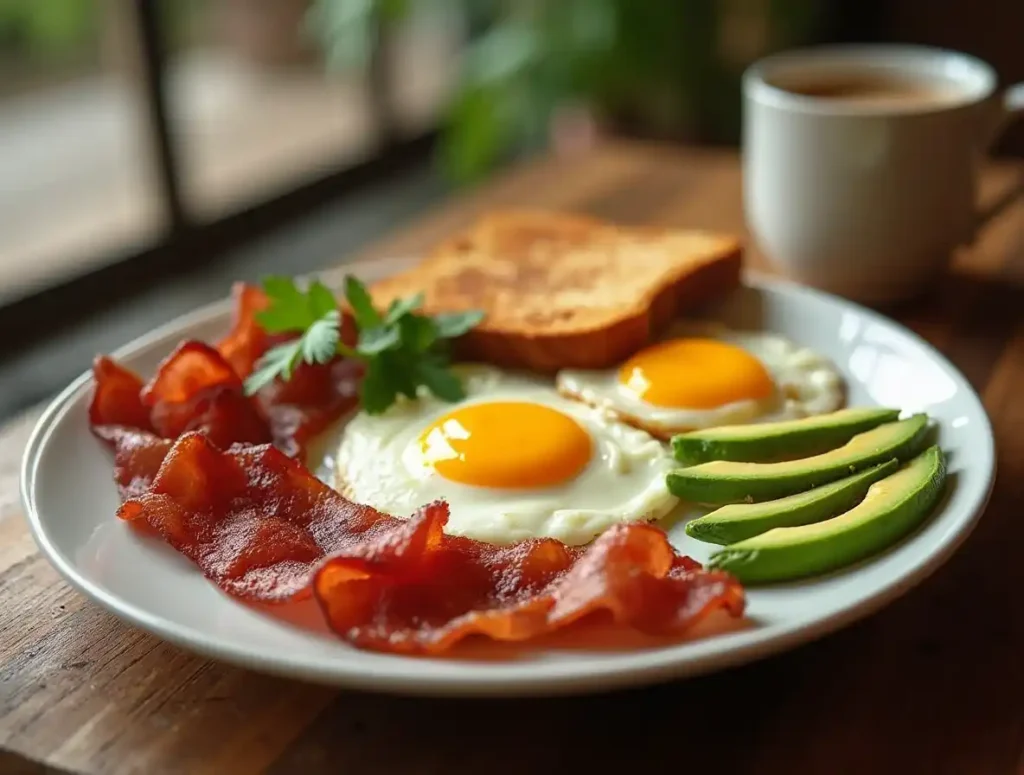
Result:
{"points": [[514, 460], [705, 375]]}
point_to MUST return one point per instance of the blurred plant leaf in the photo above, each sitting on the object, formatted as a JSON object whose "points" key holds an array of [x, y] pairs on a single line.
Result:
{"points": [[475, 136], [394, 10], [49, 27], [653, 64], [344, 31], [501, 54]]}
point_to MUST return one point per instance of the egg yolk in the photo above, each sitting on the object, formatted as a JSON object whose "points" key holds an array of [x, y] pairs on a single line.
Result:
{"points": [[507, 444], [695, 374]]}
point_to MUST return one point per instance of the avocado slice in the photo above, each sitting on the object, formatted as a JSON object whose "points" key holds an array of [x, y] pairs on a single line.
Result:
{"points": [[891, 508], [778, 440], [737, 521], [724, 481]]}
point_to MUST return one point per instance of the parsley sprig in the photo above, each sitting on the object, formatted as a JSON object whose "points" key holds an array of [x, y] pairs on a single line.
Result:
{"points": [[402, 350]]}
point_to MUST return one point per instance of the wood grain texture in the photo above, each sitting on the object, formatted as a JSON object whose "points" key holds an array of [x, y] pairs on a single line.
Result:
{"points": [[932, 684]]}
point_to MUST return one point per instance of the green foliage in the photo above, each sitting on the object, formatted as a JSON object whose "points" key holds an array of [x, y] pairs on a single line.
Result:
{"points": [[48, 28], [401, 349], [652, 63]]}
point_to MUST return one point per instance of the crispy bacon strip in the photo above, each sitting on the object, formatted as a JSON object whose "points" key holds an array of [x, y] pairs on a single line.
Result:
{"points": [[260, 526], [253, 519], [313, 398], [246, 342], [415, 590], [137, 457], [310, 401], [196, 389], [118, 417], [200, 388], [116, 397]]}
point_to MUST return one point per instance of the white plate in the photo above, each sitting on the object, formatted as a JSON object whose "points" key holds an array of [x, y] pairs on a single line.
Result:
{"points": [[70, 500]]}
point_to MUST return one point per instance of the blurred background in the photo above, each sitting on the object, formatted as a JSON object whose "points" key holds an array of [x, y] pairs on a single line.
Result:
{"points": [[152, 151]]}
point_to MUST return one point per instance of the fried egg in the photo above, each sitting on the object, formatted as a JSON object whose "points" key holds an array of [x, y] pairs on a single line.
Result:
{"points": [[704, 375], [514, 460]]}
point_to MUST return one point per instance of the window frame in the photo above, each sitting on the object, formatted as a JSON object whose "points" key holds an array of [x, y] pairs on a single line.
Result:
{"points": [[186, 241]]}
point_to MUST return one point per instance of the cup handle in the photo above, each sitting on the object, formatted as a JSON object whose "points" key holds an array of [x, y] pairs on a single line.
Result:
{"points": [[1012, 107]]}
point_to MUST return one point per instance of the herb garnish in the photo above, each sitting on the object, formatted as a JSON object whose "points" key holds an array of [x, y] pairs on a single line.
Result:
{"points": [[401, 349]]}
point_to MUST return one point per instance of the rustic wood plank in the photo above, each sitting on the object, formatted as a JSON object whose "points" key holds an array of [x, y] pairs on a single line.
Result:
{"points": [[13, 764], [546, 182], [13, 438], [931, 684]]}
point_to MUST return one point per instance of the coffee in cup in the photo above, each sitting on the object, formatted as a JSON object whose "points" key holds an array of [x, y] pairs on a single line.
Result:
{"points": [[860, 162]]}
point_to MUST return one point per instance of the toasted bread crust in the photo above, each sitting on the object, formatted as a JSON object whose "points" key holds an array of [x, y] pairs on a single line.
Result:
{"points": [[566, 291]]}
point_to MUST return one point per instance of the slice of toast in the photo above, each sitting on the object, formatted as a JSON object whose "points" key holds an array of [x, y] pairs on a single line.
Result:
{"points": [[566, 291]]}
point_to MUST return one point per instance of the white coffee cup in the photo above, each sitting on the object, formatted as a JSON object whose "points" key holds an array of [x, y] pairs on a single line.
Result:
{"points": [[867, 195]]}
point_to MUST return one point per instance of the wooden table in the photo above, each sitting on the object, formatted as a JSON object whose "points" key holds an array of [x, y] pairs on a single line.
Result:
{"points": [[934, 683]]}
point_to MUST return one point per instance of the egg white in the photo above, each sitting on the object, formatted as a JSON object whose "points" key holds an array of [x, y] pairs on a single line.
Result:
{"points": [[806, 384], [379, 464]]}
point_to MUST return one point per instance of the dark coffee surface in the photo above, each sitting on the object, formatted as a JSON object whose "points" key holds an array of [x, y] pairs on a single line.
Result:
{"points": [[871, 89]]}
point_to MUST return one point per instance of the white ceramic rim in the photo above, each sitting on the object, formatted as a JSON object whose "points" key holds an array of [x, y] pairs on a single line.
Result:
{"points": [[406, 675], [977, 77]]}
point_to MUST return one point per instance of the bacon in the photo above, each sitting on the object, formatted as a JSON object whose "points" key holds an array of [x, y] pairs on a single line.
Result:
{"points": [[263, 528], [314, 397], [415, 590], [253, 519], [311, 400], [200, 388], [137, 457], [196, 389], [118, 417], [115, 398], [190, 392], [246, 342]]}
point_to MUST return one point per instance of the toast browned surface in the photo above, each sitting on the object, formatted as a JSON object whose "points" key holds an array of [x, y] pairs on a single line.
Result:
{"points": [[566, 291]]}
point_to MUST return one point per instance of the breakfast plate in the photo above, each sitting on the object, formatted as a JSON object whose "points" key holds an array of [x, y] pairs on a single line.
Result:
{"points": [[70, 500]]}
